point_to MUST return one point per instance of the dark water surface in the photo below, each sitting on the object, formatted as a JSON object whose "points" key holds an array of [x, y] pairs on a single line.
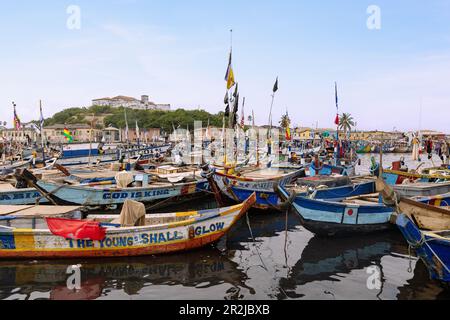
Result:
{"points": [[284, 262]]}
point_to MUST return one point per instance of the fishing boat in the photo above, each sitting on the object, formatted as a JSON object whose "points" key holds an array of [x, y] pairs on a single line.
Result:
{"points": [[102, 237], [365, 149], [428, 213], [329, 169], [433, 248], [395, 177], [98, 194], [6, 168], [402, 149], [239, 186], [80, 156], [32, 216], [358, 212], [11, 195]]}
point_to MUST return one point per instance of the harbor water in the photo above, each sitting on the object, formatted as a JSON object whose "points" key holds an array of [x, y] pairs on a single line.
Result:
{"points": [[270, 256]]}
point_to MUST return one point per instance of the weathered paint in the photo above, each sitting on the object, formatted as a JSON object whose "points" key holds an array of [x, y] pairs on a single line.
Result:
{"points": [[206, 227], [20, 197], [433, 249], [91, 196], [240, 188]]}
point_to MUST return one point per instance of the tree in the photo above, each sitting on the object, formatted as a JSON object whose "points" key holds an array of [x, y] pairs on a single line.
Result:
{"points": [[346, 122], [285, 121]]}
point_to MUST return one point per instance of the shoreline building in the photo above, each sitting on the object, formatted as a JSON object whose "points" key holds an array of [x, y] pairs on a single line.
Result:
{"points": [[27, 134], [80, 133], [128, 102]]}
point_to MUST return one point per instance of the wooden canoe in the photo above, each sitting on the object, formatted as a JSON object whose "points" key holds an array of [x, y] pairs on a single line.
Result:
{"points": [[424, 215], [261, 181], [354, 215], [163, 233], [433, 248]]}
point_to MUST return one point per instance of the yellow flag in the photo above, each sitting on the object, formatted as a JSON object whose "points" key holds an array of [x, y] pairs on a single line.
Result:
{"points": [[230, 78]]}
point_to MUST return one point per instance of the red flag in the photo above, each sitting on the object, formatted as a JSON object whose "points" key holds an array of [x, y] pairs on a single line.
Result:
{"points": [[76, 229], [337, 120]]}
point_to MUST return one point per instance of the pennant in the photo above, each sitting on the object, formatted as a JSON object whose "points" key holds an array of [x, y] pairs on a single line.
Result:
{"points": [[229, 77], [226, 99], [138, 134], [275, 87], [336, 121], [17, 123], [243, 114], [41, 119], [126, 126], [68, 135], [288, 134]]}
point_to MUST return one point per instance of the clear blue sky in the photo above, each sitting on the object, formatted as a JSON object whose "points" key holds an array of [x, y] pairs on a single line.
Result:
{"points": [[176, 51]]}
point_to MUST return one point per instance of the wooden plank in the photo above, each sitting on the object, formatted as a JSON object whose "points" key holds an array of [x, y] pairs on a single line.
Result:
{"points": [[360, 202], [372, 195], [36, 211], [7, 210]]}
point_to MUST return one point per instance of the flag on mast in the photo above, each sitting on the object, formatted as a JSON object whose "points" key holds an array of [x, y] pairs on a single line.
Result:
{"points": [[336, 121], [229, 76], [68, 135], [243, 114], [17, 123], [138, 134], [41, 119], [126, 126], [275, 87]]}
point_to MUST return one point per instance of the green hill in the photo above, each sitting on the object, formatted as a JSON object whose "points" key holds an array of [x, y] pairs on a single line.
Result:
{"points": [[106, 116]]}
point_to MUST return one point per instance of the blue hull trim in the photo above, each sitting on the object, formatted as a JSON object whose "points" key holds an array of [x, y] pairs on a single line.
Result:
{"points": [[434, 251], [272, 199]]}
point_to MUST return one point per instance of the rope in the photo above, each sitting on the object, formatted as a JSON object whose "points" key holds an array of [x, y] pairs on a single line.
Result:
{"points": [[253, 238], [423, 241]]}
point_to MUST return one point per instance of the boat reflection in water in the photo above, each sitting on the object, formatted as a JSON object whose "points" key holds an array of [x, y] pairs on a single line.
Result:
{"points": [[366, 267], [99, 279], [271, 257]]}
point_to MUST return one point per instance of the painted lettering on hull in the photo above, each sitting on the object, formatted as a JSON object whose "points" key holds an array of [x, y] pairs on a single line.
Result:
{"points": [[134, 195]]}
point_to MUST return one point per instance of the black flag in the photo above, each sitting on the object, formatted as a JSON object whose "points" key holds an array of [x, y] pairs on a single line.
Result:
{"points": [[235, 110], [275, 87], [225, 100], [236, 91], [227, 111]]}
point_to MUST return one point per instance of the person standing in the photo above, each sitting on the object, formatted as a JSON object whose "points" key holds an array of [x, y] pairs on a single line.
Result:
{"points": [[445, 152], [415, 153], [429, 148], [439, 150], [34, 154]]}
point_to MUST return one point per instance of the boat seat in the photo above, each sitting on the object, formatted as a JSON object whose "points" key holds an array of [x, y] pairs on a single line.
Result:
{"points": [[7, 187], [361, 202]]}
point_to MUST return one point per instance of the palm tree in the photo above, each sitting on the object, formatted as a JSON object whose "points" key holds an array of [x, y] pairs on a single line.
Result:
{"points": [[346, 122], [285, 121]]}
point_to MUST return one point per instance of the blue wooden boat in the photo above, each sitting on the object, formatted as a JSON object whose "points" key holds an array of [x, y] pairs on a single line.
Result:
{"points": [[81, 157], [260, 181], [328, 169], [433, 248], [92, 196], [335, 217], [10, 195]]}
